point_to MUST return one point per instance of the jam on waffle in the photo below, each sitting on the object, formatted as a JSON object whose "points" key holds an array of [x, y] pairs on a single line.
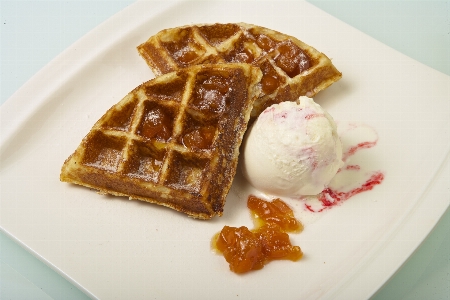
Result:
{"points": [[173, 141], [290, 67]]}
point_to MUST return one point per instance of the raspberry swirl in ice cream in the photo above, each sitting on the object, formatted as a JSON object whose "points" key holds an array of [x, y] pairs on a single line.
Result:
{"points": [[292, 149]]}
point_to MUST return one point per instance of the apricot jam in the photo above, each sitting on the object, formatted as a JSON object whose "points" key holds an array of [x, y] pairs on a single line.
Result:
{"points": [[292, 59], [241, 53], [199, 138], [184, 49], [247, 250], [157, 124], [270, 80], [275, 212], [211, 92], [265, 43]]}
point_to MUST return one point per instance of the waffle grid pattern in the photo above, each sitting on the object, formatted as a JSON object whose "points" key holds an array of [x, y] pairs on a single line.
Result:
{"points": [[173, 140], [290, 67]]}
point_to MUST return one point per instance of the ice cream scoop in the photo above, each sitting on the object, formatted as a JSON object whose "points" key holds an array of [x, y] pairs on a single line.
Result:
{"points": [[292, 149]]}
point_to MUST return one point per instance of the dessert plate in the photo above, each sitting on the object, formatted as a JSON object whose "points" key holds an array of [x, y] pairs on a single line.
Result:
{"points": [[115, 248]]}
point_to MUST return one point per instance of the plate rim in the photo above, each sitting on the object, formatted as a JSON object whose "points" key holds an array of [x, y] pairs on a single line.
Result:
{"points": [[14, 124]]}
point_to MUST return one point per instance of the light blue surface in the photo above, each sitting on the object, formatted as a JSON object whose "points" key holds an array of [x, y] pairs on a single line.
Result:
{"points": [[32, 33]]}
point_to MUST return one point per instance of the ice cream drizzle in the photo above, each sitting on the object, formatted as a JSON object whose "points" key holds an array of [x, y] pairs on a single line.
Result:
{"points": [[338, 191]]}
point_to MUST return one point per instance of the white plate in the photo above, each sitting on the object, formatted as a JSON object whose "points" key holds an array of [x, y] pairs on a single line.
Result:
{"points": [[115, 248]]}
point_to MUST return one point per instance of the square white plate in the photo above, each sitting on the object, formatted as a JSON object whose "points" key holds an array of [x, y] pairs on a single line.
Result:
{"points": [[115, 248]]}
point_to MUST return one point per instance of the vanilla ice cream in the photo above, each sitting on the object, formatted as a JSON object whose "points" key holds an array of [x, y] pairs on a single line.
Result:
{"points": [[292, 149]]}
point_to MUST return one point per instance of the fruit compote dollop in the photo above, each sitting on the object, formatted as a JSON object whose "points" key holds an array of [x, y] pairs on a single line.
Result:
{"points": [[247, 250]]}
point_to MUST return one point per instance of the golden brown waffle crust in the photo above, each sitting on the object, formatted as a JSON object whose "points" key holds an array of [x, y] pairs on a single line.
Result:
{"points": [[109, 158], [320, 74]]}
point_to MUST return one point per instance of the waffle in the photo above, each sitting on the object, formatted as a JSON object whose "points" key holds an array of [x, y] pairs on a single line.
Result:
{"points": [[173, 140], [290, 67]]}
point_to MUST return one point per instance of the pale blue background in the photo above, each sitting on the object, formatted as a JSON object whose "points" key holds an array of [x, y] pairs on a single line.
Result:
{"points": [[34, 32]]}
